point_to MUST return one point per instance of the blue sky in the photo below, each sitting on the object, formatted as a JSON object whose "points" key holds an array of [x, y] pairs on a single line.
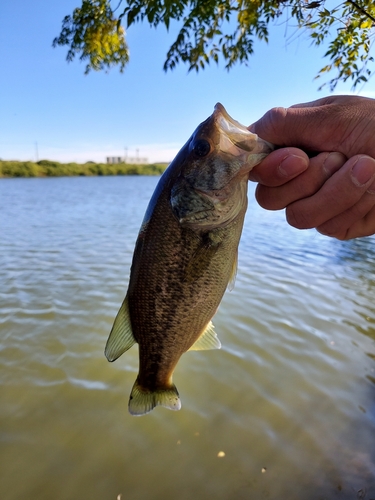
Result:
{"points": [[50, 109]]}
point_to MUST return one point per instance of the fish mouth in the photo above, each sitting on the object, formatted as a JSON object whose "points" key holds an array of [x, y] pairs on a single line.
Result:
{"points": [[237, 140], [213, 189]]}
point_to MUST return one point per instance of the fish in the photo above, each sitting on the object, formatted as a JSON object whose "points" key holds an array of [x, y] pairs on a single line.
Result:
{"points": [[185, 256]]}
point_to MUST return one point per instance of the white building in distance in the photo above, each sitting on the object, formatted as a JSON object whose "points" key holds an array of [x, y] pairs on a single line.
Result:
{"points": [[126, 159]]}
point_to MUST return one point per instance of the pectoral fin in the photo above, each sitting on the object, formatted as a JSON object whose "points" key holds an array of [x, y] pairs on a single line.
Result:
{"points": [[201, 259], [121, 337], [208, 340], [233, 275]]}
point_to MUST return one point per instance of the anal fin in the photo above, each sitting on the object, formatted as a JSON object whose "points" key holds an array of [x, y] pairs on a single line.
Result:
{"points": [[121, 337]]}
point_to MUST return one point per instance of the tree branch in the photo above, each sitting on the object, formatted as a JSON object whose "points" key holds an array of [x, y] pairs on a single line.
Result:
{"points": [[361, 9]]}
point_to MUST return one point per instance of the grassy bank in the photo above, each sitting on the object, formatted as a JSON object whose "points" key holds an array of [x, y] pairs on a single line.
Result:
{"points": [[47, 168]]}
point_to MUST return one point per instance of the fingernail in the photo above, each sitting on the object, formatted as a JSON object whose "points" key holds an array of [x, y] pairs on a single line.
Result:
{"points": [[363, 171], [293, 165], [333, 162]]}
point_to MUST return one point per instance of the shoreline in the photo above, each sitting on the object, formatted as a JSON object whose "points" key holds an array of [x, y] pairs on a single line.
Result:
{"points": [[49, 168]]}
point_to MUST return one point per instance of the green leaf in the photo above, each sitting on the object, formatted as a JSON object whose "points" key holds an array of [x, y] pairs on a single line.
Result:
{"points": [[226, 29]]}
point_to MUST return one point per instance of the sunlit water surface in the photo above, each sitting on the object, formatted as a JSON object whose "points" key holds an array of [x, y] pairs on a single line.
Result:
{"points": [[285, 410]]}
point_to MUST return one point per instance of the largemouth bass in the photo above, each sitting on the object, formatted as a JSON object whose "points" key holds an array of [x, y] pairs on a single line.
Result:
{"points": [[185, 256]]}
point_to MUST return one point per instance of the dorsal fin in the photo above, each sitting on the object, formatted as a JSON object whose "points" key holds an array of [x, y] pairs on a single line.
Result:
{"points": [[208, 340], [121, 337]]}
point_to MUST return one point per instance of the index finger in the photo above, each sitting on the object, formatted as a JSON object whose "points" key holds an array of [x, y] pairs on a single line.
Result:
{"points": [[280, 166]]}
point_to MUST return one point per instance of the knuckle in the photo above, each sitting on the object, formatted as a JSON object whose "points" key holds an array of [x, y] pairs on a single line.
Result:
{"points": [[298, 218], [338, 234], [274, 117], [261, 195], [266, 198], [335, 228], [268, 126]]}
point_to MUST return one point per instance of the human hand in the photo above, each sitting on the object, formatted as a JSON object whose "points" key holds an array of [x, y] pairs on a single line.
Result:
{"points": [[339, 123], [328, 192]]}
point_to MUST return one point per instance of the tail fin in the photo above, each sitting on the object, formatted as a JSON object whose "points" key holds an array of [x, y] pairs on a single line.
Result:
{"points": [[142, 401]]}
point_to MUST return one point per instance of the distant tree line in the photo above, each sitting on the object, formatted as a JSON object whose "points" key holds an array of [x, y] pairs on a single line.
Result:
{"points": [[48, 168]]}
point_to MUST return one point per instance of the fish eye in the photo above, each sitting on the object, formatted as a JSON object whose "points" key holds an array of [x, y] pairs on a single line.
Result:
{"points": [[201, 148]]}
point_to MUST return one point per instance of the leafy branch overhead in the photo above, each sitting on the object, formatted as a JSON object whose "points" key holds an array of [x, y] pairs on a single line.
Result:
{"points": [[214, 30]]}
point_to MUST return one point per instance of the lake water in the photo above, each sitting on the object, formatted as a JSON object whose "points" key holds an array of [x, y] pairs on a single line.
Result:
{"points": [[285, 410]]}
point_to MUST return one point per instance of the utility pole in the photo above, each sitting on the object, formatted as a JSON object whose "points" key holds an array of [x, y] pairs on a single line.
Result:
{"points": [[36, 152], [126, 154]]}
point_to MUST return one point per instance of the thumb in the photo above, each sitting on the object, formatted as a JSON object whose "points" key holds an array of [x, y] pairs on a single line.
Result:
{"points": [[309, 128], [271, 126]]}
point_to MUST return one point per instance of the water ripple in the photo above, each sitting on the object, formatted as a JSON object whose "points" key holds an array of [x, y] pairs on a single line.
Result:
{"points": [[289, 399]]}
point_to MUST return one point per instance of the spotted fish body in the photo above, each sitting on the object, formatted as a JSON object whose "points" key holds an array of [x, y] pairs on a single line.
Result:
{"points": [[185, 256]]}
